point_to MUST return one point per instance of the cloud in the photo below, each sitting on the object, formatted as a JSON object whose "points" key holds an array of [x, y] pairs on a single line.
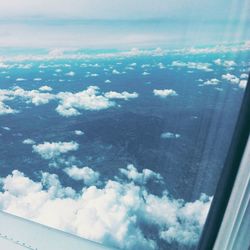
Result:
{"points": [[134, 52], [79, 132], [244, 76], [69, 104], [225, 63], [6, 128], [169, 135], [29, 141], [5, 109], [145, 73], [33, 96], [115, 213], [231, 78], [243, 84], [161, 65], [37, 79], [107, 81], [20, 79], [19, 185], [115, 72], [71, 73], [45, 88], [193, 65], [51, 150], [140, 178], [212, 81], [190, 214], [86, 174], [4, 65], [123, 95], [164, 92]]}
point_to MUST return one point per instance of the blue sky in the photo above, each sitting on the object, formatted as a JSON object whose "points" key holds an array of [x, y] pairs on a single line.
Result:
{"points": [[122, 24]]}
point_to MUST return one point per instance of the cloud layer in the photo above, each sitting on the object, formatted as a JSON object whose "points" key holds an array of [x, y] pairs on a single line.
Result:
{"points": [[113, 215]]}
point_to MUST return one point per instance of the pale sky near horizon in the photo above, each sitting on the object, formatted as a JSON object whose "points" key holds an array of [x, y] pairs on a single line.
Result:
{"points": [[122, 24]]}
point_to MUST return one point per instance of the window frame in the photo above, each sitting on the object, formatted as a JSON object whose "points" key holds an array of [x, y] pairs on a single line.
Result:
{"points": [[228, 176]]}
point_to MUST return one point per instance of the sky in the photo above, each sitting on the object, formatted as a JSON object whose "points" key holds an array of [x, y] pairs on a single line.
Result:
{"points": [[122, 24]]}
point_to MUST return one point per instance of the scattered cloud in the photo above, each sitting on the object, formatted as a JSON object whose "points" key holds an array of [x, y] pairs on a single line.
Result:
{"points": [[115, 72], [164, 92], [69, 104], [33, 96], [37, 79], [123, 95], [85, 174], [231, 78], [51, 150], [225, 63], [145, 73], [142, 178], [20, 79], [6, 128], [193, 65], [107, 81], [45, 88], [161, 65], [212, 81], [169, 135], [29, 141], [79, 132], [71, 73]]}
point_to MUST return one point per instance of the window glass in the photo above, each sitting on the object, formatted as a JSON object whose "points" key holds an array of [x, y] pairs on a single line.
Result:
{"points": [[116, 116]]}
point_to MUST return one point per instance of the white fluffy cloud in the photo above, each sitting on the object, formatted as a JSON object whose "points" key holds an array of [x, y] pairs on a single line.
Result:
{"points": [[123, 95], [88, 99], [79, 132], [140, 178], [29, 141], [86, 174], [114, 212], [231, 78], [45, 88], [115, 72], [169, 135], [34, 96], [164, 92], [51, 150]]}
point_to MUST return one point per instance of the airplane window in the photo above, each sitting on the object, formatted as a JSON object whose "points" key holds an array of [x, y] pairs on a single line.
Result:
{"points": [[116, 116]]}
